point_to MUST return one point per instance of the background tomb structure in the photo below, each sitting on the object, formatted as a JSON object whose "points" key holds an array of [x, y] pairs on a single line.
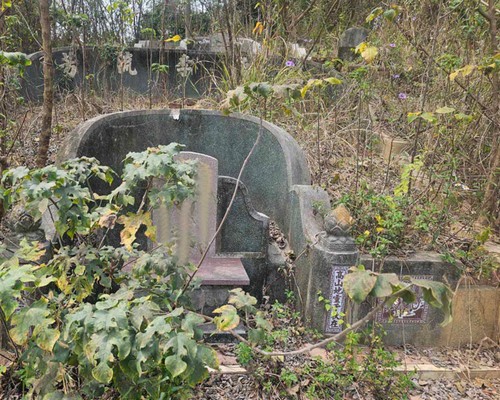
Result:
{"points": [[276, 184], [107, 69], [349, 40], [104, 70]]}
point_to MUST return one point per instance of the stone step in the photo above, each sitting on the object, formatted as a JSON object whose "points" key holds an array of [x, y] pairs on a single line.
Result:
{"points": [[223, 272]]}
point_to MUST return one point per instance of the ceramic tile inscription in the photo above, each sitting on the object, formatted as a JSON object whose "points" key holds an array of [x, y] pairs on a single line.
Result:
{"points": [[400, 312], [337, 298]]}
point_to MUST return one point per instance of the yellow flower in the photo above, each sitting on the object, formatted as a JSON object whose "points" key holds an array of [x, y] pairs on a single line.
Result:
{"points": [[380, 229], [366, 233]]}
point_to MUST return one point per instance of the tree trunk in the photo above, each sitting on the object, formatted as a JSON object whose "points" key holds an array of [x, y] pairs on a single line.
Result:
{"points": [[48, 90], [491, 199]]}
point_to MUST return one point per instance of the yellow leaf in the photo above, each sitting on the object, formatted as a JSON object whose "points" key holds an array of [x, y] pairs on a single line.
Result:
{"points": [[360, 47], [228, 318], [107, 219], [258, 29], [131, 224], [445, 110], [310, 83], [465, 71], [333, 81], [150, 228], [369, 54], [412, 116], [454, 75], [175, 38]]}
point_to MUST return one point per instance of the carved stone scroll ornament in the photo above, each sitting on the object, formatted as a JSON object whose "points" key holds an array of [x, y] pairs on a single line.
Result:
{"points": [[23, 225]]}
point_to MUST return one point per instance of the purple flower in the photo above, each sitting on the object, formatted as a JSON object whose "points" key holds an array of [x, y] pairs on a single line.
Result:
{"points": [[392, 45], [395, 76], [402, 96], [290, 63]]}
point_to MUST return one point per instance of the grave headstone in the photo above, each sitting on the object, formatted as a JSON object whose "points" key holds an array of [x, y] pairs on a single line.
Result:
{"points": [[191, 225], [349, 40]]}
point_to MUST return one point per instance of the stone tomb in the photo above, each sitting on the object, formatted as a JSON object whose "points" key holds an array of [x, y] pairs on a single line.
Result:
{"points": [[351, 38], [191, 225]]}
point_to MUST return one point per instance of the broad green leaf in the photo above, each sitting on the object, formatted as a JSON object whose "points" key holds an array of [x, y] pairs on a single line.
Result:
{"points": [[358, 284], [264, 89], [197, 365], [407, 295], [175, 365], [179, 343], [190, 324], [464, 117], [429, 117], [46, 338], [242, 300], [35, 320], [412, 116], [143, 311], [228, 318], [384, 285], [35, 316], [437, 291], [262, 322], [158, 326], [12, 277], [30, 251], [15, 59], [445, 110], [102, 373], [374, 14], [438, 295], [257, 335], [390, 14]]}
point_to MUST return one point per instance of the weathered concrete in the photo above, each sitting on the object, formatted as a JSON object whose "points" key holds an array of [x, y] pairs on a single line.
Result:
{"points": [[476, 315]]}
